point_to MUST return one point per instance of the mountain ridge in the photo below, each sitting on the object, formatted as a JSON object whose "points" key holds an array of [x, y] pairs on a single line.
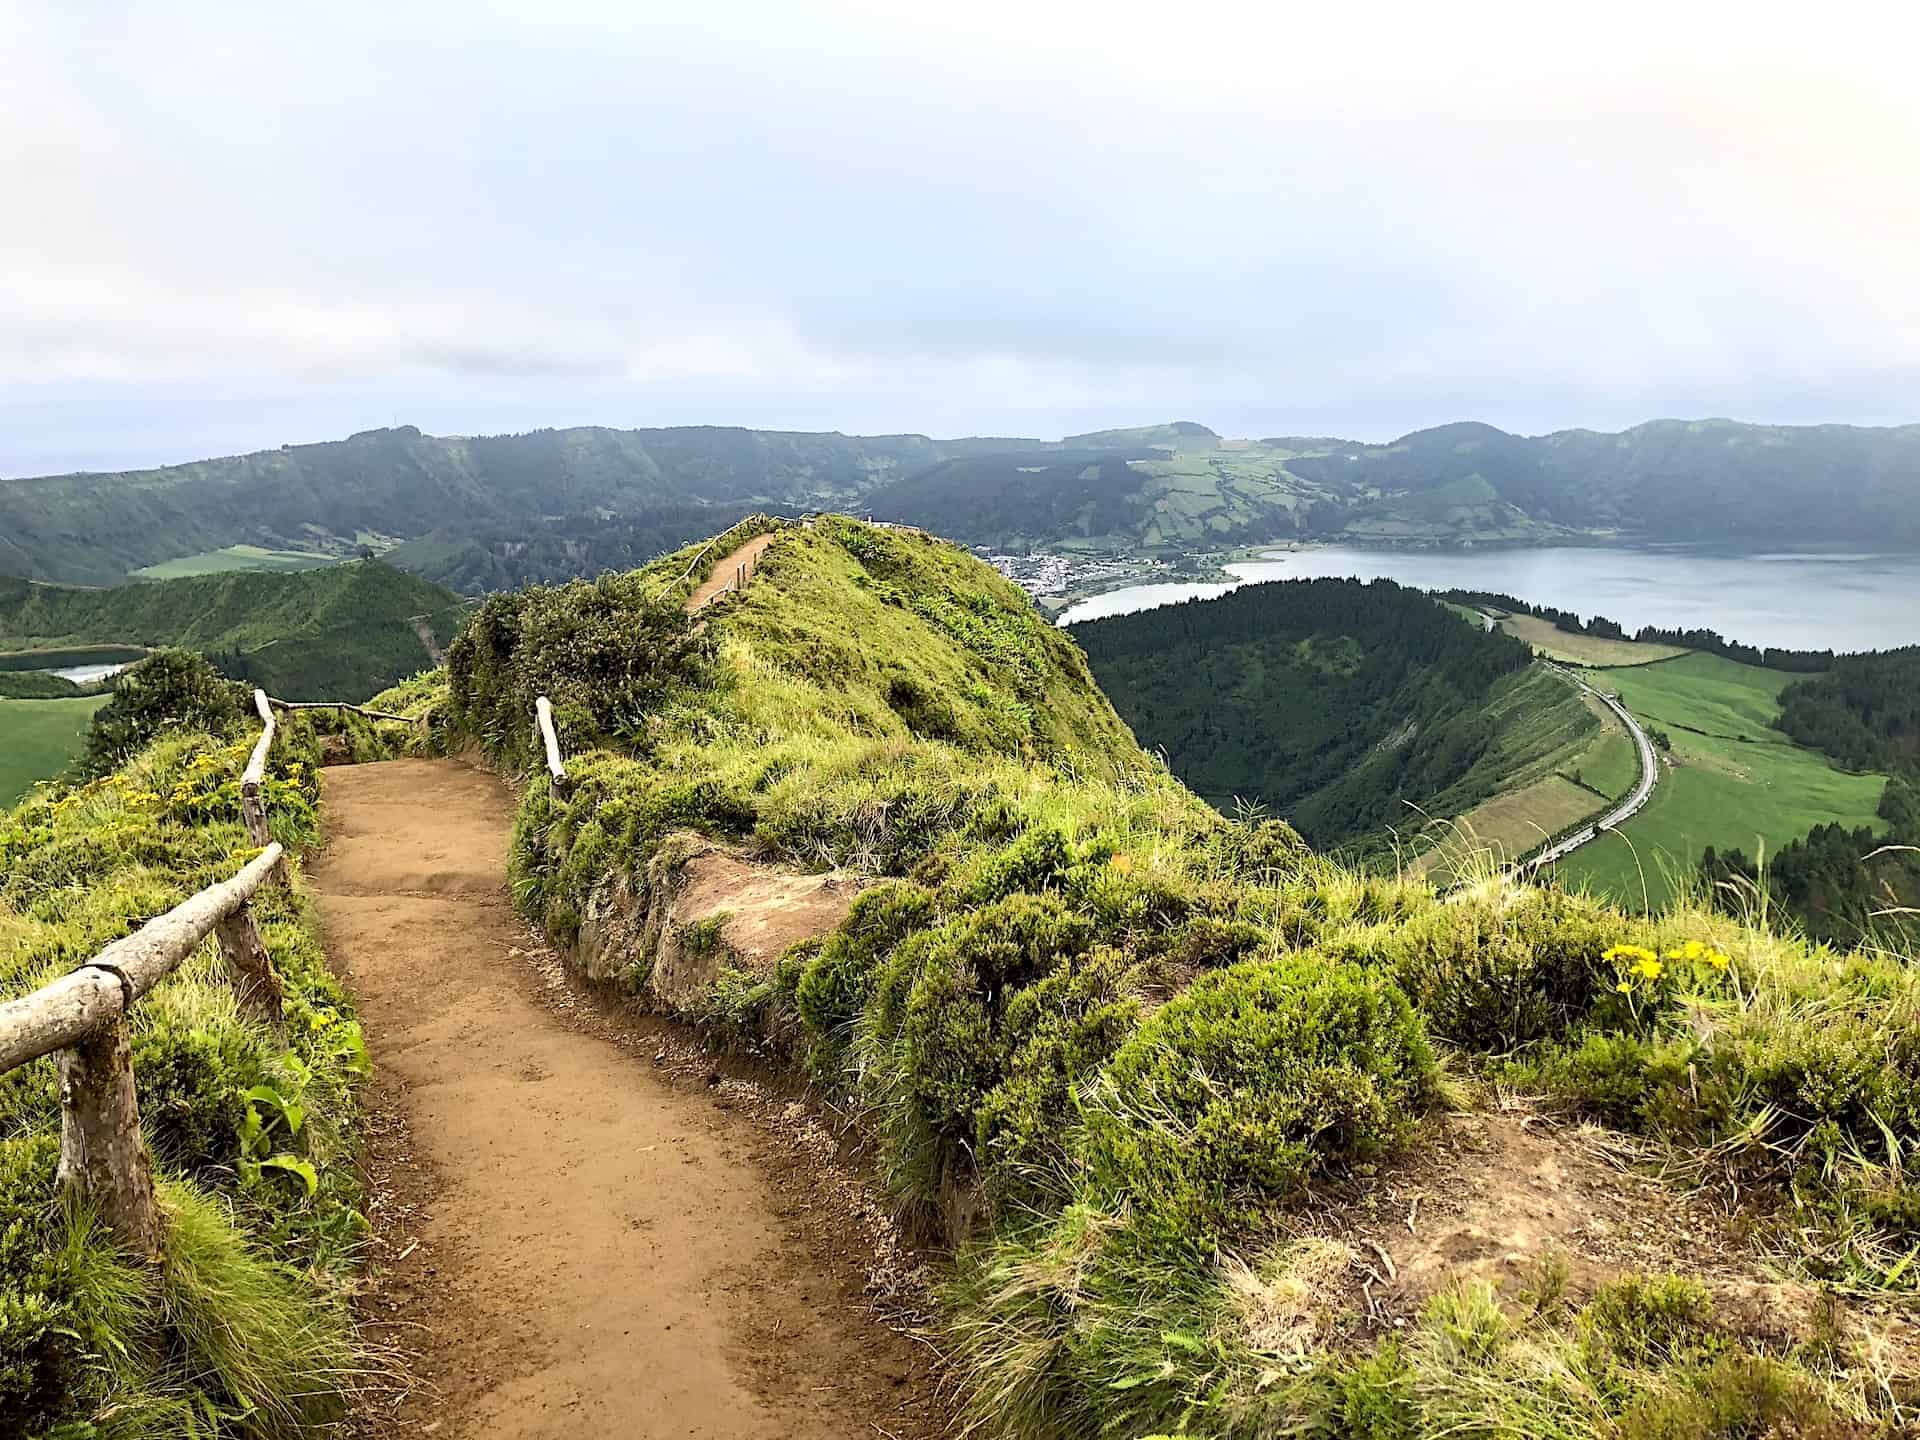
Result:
{"points": [[544, 505]]}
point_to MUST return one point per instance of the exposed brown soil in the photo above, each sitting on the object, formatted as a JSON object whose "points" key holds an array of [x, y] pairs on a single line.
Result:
{"points": [[581, 1230], [758, 911], [727, 570]]}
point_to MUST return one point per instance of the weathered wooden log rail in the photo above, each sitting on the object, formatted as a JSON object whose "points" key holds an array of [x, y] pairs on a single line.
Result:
{"points": [[82, 1019]]}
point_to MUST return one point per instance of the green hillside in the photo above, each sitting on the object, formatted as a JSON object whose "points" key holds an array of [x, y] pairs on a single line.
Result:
{"points": [[497, 511], [1347, 708], [399, 483], [338, 633], [1164, 1076]]}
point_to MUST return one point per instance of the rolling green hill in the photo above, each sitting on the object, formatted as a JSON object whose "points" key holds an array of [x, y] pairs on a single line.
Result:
{"points": [[498, 511], [338, 633], [1345, 708], [399, 483]]}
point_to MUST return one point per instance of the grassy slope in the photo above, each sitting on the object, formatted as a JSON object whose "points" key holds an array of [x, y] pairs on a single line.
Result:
{"points": [[233, 557], [39, 739], [1520, 791], [245, 1318], [339, 633], [1134, 1029], [1556, 644], [1735, 780]]}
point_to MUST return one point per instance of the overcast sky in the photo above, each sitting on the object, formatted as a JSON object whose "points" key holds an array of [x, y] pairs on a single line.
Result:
{"points": [[231, 225]]}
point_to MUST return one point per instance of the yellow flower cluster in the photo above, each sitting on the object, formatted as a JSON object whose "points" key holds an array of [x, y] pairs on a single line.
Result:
{"points": [[1697, 951], [1647, 965]]}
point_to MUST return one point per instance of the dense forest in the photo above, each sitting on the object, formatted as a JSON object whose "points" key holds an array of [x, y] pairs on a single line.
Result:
{"points": [[1864, 711], [503, 510], [1335, 704], [337, 633]]}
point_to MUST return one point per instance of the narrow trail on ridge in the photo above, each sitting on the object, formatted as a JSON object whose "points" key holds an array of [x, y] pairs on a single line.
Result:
{"points": [[727, 571], [574, 1247]]}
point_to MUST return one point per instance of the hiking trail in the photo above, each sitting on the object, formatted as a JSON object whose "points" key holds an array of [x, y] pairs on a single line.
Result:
{"points": [[570, 1243]]}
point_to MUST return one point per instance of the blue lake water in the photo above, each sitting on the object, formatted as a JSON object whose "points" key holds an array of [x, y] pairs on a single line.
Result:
{"points": [[1795, 600]]}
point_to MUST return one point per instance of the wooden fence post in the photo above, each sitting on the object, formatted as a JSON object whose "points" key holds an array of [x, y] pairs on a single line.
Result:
{"points": [[103, 1160], [548, 739], [250, 968]]}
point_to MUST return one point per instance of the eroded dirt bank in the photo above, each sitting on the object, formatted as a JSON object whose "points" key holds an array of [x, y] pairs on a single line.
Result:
{"points": [[571, 1244]]}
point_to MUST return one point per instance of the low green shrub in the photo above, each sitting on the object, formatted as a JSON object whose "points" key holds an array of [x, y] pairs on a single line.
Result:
{"points": [[1648, 1320], [170, 691], [1741, 1397], [838, 979], [1237, 1093], [1499, 973]]}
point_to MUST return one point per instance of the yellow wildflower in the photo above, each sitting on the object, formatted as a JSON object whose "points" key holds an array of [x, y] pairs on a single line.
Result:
{"points": [[1718, 959], [1648, 966], [1625, 987]]}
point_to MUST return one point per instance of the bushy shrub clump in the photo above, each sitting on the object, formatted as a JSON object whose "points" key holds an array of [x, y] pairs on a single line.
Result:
{"points": [[1251, 1083], [1502, 971], [607, 652], [170, 690]]}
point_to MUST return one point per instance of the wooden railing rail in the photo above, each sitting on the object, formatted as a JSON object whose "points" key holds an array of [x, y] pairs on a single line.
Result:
{"points": [[82, 1019], [359, 710], [557, 782], [252, 808]]}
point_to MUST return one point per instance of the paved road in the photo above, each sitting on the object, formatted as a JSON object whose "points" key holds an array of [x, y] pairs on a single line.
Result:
{"points": [[1627, 808]]}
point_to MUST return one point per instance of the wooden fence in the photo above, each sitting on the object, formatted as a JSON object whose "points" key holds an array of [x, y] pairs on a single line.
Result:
{"points": [[82, 1018]]}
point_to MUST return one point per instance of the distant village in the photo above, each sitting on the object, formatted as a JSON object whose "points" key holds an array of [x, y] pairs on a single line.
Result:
{"points": [[1042, 574]]}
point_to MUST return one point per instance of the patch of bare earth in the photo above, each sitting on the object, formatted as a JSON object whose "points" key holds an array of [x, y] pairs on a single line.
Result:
{"points": [[1524, 1202]]}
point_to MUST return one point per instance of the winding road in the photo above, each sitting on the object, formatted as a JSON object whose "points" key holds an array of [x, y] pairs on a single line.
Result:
{"points": [[1627, 808]]}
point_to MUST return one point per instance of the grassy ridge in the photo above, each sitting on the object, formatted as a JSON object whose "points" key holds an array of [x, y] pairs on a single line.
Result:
{"points": [[241, 1329], [1130, 1036], [338, 633]]}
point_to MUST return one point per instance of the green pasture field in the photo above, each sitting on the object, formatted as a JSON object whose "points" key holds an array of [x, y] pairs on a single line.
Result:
{"points": [[1734, 781], [234, 557], [39, 739]]}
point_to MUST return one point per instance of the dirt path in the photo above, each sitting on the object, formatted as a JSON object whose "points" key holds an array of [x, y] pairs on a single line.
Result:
{"points": [[725, 571], [575, 1247]]}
